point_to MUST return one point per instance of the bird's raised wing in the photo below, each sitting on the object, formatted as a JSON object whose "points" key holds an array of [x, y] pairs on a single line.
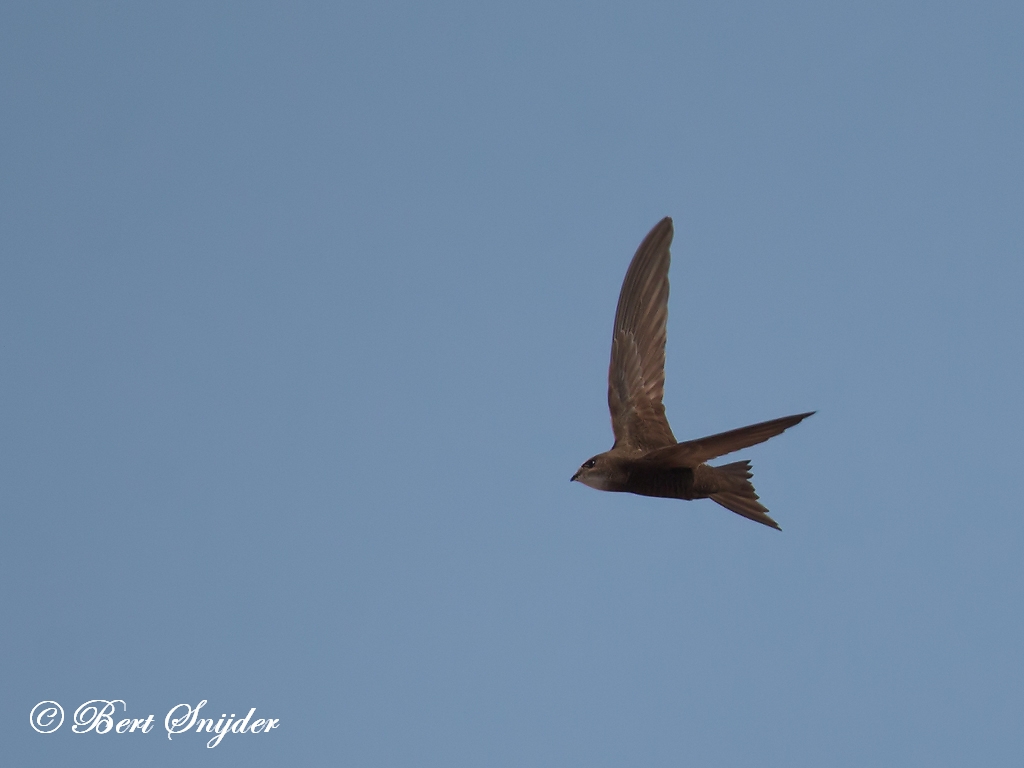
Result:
{"points": [[636, 375]]}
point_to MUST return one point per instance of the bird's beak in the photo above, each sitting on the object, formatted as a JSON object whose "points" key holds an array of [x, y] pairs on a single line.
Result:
{"points": [[574, 477]]}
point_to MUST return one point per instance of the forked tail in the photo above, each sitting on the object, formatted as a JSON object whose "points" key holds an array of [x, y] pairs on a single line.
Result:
{"points": [[738, 494]]}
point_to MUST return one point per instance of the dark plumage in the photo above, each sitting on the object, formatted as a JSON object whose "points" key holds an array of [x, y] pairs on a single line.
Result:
{"points": [[646, 459]]}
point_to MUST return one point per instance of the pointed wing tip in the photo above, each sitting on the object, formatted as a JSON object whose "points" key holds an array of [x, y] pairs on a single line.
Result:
{"points": [[796, 418], [659, 238]]}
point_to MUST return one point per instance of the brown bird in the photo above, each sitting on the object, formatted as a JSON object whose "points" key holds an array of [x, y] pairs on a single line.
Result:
{"points": [[646, 459]]}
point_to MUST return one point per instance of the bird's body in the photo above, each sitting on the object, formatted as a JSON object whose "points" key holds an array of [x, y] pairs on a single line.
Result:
{"points": [[646, 459]]}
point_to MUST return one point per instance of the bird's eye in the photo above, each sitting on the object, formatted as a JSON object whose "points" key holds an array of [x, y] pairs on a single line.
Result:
{"points": [[589, 464]]}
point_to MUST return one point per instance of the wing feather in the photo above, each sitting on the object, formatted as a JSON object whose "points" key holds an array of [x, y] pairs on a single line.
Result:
{"points": [[636, 374], [692, 453]]}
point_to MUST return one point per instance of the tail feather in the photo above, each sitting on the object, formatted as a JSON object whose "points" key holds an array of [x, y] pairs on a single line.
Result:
{"points": [[738, 494], [739, 472]]}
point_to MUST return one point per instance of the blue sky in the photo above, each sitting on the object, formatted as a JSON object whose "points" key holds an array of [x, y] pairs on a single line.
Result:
{"points": [[306, 313]]}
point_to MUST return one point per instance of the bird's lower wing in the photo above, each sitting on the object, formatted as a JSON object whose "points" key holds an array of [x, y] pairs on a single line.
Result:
{"points": [[692, 453]]}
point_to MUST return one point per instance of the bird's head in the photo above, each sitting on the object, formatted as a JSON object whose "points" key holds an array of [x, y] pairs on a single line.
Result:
{"points": [[600, 472]]}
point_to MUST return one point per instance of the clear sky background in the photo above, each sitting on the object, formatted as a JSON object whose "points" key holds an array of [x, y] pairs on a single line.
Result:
{"points": [[305, 314]]}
